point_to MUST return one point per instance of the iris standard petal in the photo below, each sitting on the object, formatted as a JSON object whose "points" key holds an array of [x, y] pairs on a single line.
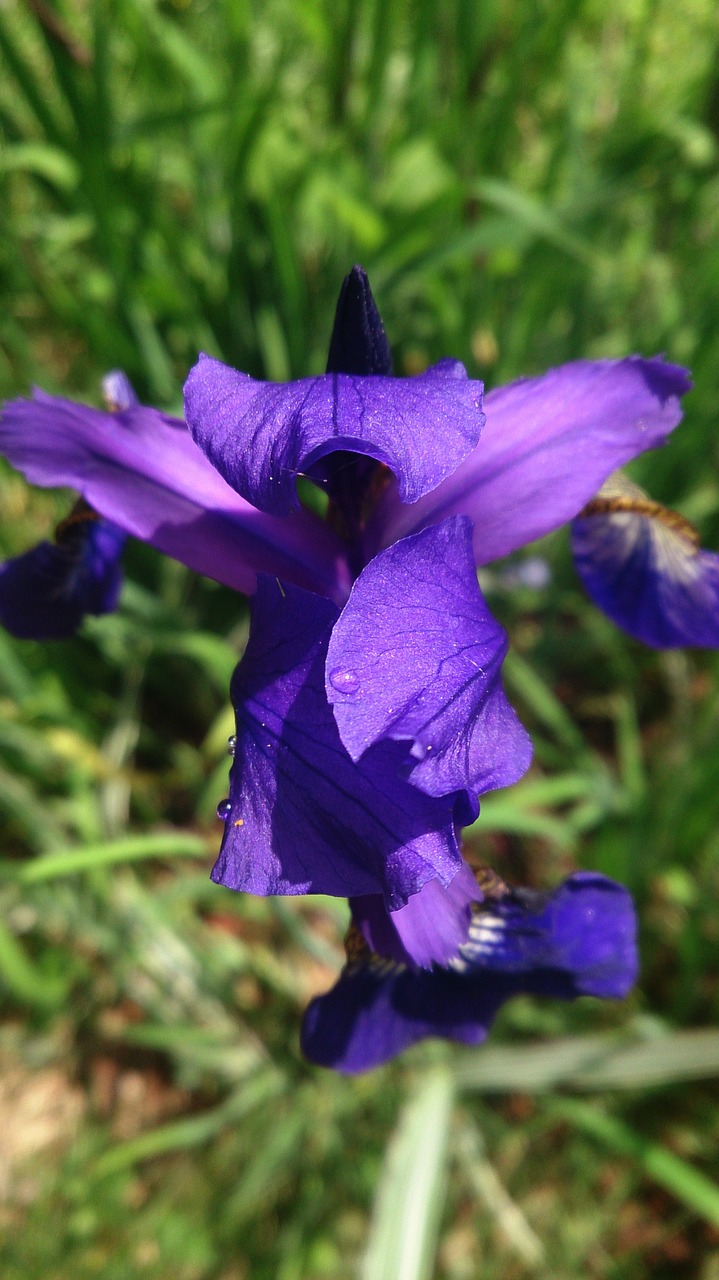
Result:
{"points": [[301, 816], [261, 435], [578, 941], [547, 446], [416, 657], [429, 930], [46, 593], [140, 469], [642, 564]]}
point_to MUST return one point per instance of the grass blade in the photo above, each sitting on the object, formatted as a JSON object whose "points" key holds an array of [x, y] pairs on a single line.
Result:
{"points": [[166, 844], [411, 1191], [687, 1184]]}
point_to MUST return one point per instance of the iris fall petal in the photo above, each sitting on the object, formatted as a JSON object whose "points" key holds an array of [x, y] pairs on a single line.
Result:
{"points": [[580, 940], [46, 593], [643, 566], [302, 816], [416, 657]]}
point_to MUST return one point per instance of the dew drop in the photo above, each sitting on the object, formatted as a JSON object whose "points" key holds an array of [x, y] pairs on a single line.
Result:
{"points": [[232, 745], [344, 680], [224, 809]]}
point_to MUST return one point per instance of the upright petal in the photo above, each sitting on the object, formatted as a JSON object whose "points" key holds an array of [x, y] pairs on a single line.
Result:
{"points": [[261, 435], [578, 941], [301, 816], [46, 593], [140, 469], [416, 657], [642, 565], [547, 446]]}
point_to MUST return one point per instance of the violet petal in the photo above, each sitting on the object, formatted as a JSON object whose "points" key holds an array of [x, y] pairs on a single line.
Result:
{"points": [[547, 446], [429, 930], [416, 657], [578, 941], [643, 566], [261, 435], [140, 469], [46, 593], [302, 817]]}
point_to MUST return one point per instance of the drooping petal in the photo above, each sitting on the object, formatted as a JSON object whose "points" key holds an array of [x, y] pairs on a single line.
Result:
{"points": [[302, 817], [261, 435], [140, 469], [585, 928], [578, 941], [642, 565], [547, 446], [416, 657], [46, 593], [429, 930]]}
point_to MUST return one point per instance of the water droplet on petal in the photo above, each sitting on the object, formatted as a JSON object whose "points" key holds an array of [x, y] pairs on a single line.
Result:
{"points": [[344, 680], [232, 745], [420, 750], [224, 809]]}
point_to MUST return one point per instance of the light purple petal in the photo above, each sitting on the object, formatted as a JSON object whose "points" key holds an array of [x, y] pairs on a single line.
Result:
{"points": [[302, 817], [140, 469], [261, 435], [580, 940], [547, 446], [416, 657], [118, 392], [429, 930], [643, 566]]}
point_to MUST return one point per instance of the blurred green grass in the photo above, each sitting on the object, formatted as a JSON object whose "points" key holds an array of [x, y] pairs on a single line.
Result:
{"points": [[525, 185]]}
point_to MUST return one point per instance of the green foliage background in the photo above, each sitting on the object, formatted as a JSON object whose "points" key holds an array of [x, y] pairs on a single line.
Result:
{"points": [[526, 184]]}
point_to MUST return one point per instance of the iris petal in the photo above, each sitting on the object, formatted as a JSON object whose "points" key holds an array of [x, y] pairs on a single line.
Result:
{"points": [[582, 943], [302, 817], [46, 593], [416, 657], [261, 435], [547, 446], [140, 469], [643, 566], [429, 930]]}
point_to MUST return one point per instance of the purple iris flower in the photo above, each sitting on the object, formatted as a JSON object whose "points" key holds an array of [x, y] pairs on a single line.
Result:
{"points": [[48, 591], [369, 703], [577, 941]]}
